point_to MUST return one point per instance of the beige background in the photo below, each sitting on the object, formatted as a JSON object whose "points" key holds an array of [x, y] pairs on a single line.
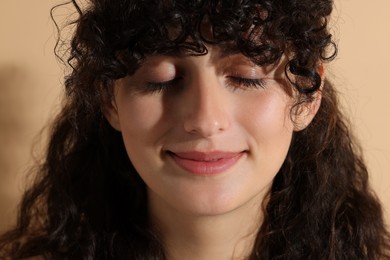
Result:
{"points": [[30, 85]]}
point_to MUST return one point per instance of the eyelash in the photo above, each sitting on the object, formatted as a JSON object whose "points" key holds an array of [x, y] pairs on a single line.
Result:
{"points": [[161, 86], [247, 83], [233, 80]]}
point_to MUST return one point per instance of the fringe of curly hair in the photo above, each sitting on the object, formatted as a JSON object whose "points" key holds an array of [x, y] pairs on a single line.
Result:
{"points": [[89, 203]]}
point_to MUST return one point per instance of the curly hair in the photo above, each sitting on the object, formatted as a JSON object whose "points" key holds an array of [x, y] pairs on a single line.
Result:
{"points": [[88, 202]]}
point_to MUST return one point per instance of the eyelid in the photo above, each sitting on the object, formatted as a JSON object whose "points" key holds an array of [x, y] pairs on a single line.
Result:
{"points": [[158, 69], [159, 86], [245, 83], [250, 72]]}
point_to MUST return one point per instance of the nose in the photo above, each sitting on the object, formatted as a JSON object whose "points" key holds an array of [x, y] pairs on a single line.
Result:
{"points": [[206, 107]]}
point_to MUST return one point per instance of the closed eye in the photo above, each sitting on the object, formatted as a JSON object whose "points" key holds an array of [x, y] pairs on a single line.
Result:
{"points": [[233, 81], [241, 82], [152, 87]]}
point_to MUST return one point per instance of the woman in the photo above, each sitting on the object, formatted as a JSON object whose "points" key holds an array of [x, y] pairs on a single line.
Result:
{"points": [[200, 130]]}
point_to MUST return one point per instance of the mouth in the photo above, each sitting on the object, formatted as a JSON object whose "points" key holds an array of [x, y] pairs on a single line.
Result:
{"points": [[206, 163]]}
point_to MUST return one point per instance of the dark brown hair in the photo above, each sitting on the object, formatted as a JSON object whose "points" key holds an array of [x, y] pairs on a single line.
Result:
{"points": [[88, 202]]}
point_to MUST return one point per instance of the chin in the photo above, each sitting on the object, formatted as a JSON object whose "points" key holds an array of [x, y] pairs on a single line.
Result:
{"points": [[220, 203]]}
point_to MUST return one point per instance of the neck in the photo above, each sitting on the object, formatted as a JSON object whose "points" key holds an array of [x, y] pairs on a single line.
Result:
{"points": [[225, 236]]}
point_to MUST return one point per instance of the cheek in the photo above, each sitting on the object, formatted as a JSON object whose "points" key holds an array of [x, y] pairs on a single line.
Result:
{"points": [[141, 127], [139, 114], [140, 118], [269, 131], [267, 117]]}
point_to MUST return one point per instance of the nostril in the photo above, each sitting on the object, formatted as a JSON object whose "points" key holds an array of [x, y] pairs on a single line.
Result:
{"points": [[206, 126]]}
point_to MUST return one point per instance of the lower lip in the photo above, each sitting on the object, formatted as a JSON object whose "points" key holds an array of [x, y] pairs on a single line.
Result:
{"points": [[207, 168]]}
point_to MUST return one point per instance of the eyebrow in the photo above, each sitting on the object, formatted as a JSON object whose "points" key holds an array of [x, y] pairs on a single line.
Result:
{"points": [[223, 51], [227, 50]]}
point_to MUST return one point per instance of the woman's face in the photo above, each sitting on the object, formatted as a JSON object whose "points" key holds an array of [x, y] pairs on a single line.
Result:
{"points": [[207, 134]]}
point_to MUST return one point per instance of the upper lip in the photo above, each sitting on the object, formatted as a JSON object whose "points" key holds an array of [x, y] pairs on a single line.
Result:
{"points": [[205, 156]]}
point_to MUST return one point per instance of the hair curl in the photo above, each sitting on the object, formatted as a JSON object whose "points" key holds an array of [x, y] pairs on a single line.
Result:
{"points": [[88, 202]]}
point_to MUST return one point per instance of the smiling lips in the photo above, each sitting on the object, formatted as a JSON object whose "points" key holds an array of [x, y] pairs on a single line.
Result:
{"points": [[206, 163]]}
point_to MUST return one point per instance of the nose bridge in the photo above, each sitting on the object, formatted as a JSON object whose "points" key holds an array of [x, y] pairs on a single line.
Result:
{"points": [[206, 112]]}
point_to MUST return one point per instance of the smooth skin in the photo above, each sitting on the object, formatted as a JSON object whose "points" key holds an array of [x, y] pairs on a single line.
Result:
{"points": [[208, 104]]}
